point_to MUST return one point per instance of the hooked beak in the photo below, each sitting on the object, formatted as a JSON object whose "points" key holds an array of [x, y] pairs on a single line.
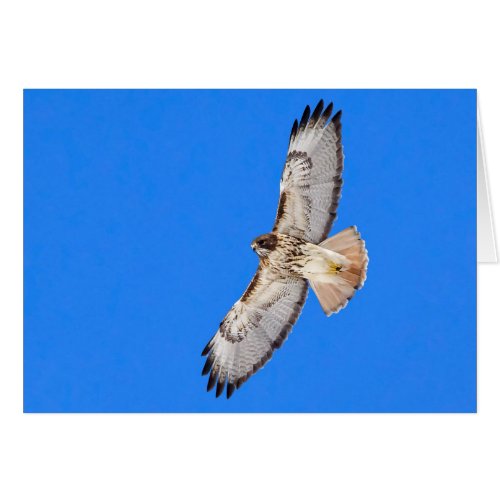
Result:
{"points": [[253, 245]]}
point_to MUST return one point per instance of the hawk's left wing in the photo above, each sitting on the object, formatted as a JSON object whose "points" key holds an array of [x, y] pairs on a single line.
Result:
{"points": [[254, 327], [312, 177]]}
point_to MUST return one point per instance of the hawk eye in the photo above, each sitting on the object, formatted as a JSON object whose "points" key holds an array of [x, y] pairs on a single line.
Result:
{"points": [[261, 242]]}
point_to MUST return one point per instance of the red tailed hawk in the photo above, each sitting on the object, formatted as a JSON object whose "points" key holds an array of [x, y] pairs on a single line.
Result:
{"points": [[294, 254]]}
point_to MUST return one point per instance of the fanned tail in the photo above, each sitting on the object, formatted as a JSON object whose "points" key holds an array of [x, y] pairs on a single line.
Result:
{"points": [[335, 295]]}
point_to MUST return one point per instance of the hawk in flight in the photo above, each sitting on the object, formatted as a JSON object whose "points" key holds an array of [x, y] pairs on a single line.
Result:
{"points": [[294, 254]]}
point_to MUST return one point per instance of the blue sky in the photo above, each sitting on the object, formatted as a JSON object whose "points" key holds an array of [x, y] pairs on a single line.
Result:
{"points": [[139, 209]]}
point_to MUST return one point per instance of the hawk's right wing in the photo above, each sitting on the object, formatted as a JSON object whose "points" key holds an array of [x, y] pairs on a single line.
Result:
{"points": [[254, 327]]}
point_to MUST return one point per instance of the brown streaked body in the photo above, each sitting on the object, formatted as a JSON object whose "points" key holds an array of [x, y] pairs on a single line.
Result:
{"points": [[296, 257]]}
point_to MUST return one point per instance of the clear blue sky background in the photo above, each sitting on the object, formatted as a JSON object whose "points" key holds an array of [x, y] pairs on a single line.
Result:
{"points": [[140, 207]]}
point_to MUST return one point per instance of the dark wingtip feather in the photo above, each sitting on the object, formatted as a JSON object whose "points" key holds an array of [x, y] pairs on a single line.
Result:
{"points": [[211, 380], [230, 390], [338, 115], [220, 387], [327, 113], [294, 130], [305, 117], [209, 346], [316, 113], [208, 365]]}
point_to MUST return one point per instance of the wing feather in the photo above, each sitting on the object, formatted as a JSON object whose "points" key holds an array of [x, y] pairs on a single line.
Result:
{"points": [[254, 327], [312, 177]]}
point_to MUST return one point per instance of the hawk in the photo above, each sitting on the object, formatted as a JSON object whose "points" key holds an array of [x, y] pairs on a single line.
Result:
{"points": [[294, 254]]}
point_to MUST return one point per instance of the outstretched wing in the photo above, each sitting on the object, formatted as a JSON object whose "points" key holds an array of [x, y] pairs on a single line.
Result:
{"points": [[312, 176], [254, 327]]}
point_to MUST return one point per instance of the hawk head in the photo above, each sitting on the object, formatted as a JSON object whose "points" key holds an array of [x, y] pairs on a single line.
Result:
{"points": [[263, 245]]}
